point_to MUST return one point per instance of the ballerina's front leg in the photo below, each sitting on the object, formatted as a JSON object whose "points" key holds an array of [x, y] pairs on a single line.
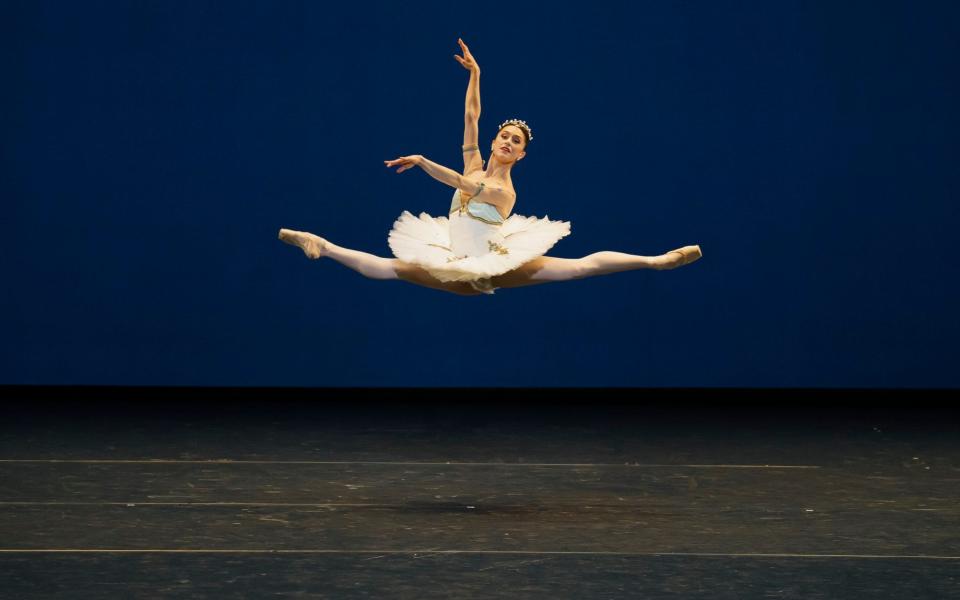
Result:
{"points": [[314, 246], [370, 265]]}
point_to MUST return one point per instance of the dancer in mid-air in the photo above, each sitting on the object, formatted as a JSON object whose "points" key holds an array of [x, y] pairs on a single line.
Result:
{"points": [[480, 246]]}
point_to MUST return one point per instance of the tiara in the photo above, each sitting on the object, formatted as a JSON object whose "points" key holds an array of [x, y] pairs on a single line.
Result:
{"points": [[521, 124]]}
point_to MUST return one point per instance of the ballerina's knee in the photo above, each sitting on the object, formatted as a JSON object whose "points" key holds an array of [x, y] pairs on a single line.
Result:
{"points": [[382, 269], [549, 268], [584, 267]]}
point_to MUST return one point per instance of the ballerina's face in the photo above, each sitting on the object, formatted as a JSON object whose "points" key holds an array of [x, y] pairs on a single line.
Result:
{"points": [[509, 144]]}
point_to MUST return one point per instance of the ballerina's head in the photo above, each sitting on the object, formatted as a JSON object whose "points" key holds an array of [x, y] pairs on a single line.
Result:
{"points": [[510, 145]]}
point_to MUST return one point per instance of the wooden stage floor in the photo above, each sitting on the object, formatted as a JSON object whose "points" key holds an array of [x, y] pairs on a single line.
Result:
{"points": [[133, 493]]}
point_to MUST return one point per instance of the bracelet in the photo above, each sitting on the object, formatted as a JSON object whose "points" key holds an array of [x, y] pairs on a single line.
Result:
{"points": [[471, 147]]}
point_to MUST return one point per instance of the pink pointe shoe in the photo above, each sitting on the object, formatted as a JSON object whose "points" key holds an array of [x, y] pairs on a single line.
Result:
{"points": [[688, 254], [312, 245]]}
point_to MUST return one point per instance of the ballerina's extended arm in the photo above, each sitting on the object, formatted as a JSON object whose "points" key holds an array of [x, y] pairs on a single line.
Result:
{"points": [[472, 160], [438, 172]]}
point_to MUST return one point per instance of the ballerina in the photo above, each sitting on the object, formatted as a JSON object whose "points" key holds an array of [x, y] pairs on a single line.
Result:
{"points": [[480, 246]]}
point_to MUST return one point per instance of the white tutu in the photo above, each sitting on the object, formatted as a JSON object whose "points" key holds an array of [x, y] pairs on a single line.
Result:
{"points": [[470, 245]]}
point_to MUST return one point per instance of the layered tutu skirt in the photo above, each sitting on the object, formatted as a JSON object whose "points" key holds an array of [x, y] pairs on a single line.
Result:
{"points": [[466, 246]]}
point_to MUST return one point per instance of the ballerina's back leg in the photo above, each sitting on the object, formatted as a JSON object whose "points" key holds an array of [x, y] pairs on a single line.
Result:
{"points": [[546, 269]]}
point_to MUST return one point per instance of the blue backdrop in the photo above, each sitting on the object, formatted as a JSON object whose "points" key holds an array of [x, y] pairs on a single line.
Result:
{"points": [[152, 149]]}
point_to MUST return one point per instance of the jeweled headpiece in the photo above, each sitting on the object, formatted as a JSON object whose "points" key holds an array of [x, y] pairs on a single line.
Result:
{"points": [[521, 124]]}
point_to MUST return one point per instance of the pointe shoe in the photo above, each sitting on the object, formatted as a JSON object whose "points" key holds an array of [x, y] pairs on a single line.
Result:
{"points": [[314, 246], [688, 254]]}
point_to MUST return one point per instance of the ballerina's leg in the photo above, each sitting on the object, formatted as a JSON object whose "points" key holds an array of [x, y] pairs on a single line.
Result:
{"points": [[370, 265], [314, 246], [603, 263], [547, 268]]}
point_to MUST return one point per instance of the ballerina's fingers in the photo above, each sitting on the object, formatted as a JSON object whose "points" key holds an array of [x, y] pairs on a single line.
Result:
{"points": [[467, 60], [404, 162]]}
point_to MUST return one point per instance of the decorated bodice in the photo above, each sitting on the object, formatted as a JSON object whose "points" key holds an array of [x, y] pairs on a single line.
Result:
{"points": [[475, 209]]}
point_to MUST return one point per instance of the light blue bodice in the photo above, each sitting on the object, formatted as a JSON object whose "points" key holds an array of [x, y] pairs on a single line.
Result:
{"points": [[481, 211]]}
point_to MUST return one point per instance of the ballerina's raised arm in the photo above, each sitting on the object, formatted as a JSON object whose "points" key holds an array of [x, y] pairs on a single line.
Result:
{"points": [[472, 160]]}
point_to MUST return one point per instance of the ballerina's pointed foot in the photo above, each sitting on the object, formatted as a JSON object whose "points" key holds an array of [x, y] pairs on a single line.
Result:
{"points": [[680, 257], [313, 246]]}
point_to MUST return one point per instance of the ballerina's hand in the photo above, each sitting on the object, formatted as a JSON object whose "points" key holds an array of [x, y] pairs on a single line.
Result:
{"points": [[469, 63], [405, 162]]}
